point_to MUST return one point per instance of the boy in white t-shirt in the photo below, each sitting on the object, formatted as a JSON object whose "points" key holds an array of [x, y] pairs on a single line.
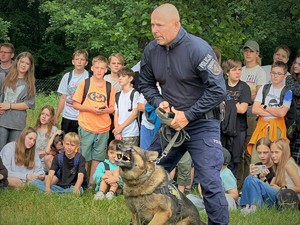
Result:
{"points": [[126, 112], [67, 88], [271, 106]]}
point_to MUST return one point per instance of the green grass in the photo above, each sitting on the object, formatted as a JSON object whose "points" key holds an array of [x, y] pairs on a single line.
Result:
{"points": [[28, 206]]}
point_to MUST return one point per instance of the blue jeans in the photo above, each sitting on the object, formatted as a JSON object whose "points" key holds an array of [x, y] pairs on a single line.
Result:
{"points": [[8, 135], [206, 152], [256, 192], [54, 188]]}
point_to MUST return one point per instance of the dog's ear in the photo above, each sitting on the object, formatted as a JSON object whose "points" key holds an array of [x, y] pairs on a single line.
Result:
{"points": [[151, 155]]}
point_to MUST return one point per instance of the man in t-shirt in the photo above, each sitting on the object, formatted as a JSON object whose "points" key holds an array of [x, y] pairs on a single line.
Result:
{"points": [[7, 52]]}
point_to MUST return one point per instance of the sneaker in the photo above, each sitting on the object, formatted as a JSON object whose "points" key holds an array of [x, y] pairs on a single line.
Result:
{"points": [[248, 210], [99, 196], [110, 195]]}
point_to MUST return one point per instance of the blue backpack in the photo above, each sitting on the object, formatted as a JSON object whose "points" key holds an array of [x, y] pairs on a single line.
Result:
{"points": [[76, 165]]}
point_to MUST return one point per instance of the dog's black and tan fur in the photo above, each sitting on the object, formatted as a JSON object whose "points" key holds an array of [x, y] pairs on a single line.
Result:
{"points": [[143, 185]]}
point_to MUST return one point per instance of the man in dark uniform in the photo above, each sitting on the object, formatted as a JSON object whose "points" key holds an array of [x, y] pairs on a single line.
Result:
{"points": [[192, 86]]}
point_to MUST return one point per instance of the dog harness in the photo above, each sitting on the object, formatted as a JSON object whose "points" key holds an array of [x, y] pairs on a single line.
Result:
{"points": [[172, 191]]}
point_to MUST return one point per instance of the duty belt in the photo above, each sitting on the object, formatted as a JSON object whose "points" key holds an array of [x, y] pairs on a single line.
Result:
{"points": [[216, 113]]}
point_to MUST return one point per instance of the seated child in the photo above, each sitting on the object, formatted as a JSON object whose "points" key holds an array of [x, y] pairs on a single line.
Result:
{"points": [[55, 146], [21, 160], [228, 182], [256, 192], [3, 175], [68, 169], [106, 176], [45, 129]]}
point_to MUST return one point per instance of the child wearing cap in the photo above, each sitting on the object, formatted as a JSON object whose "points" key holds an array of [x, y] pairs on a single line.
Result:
{"points": [[252, 73], [228, 182]]}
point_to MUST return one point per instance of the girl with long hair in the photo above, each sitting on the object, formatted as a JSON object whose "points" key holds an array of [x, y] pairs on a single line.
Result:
{"points": [[45, 129], [21, 159], [293, 82], [17, 94], [287, 174]]}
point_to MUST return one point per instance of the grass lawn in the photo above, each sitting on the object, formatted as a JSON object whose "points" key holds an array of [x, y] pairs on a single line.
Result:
{"points": [[28, 206]]}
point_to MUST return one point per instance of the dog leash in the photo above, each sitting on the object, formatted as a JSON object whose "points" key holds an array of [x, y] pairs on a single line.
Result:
{"points": [[165, 133]]}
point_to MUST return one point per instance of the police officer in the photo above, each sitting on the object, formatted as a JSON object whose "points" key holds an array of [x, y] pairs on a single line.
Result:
{"points": [[192, 87]]}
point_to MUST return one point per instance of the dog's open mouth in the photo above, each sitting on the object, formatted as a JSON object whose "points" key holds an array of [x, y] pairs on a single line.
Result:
{"points": [[124, 158]]}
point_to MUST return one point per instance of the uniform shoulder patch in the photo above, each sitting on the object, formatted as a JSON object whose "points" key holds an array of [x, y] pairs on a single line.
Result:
{"points": [[211, 65], [214, 67]]}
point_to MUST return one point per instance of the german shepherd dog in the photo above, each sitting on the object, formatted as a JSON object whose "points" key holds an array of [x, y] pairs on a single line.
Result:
{"points": [[148, 191]]}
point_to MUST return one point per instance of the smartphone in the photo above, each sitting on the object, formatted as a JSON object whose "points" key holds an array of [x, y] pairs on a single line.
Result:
{"points": [[260, 168]]}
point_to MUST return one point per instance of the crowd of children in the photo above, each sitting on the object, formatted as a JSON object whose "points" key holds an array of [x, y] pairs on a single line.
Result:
{"points": [[100, 110]]}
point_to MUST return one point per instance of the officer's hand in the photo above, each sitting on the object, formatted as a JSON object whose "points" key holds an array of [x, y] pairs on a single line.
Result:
{"points": [[165, 105], [180, 121]]}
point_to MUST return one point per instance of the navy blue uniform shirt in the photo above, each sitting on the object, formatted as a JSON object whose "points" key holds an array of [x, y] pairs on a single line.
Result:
{"points": [[190, 77]]}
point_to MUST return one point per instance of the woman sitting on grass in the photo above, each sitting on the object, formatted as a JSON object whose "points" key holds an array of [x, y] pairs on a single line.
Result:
{"points": [[21, 159], [45, 130], [287, 173]]}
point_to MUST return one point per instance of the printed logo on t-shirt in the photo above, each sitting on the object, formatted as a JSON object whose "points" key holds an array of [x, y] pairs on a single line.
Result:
{"points": [[96, 97], [12, 95], [71, 91], [250, 79], [275, 100], [232, 95]]}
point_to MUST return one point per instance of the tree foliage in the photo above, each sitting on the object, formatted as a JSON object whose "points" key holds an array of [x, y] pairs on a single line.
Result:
{"points": [[52, 29], [109, 26], [4, 25]]}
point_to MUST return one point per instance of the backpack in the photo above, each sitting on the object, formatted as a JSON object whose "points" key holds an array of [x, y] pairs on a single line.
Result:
{"points": [[287, 198], [87, 86], [290, 117], [76, 165], [106, 166], [138, 119]]}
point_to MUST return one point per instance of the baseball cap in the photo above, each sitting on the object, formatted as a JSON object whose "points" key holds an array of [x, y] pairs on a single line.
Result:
{"points": [[253, 45], [227, 156]]}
